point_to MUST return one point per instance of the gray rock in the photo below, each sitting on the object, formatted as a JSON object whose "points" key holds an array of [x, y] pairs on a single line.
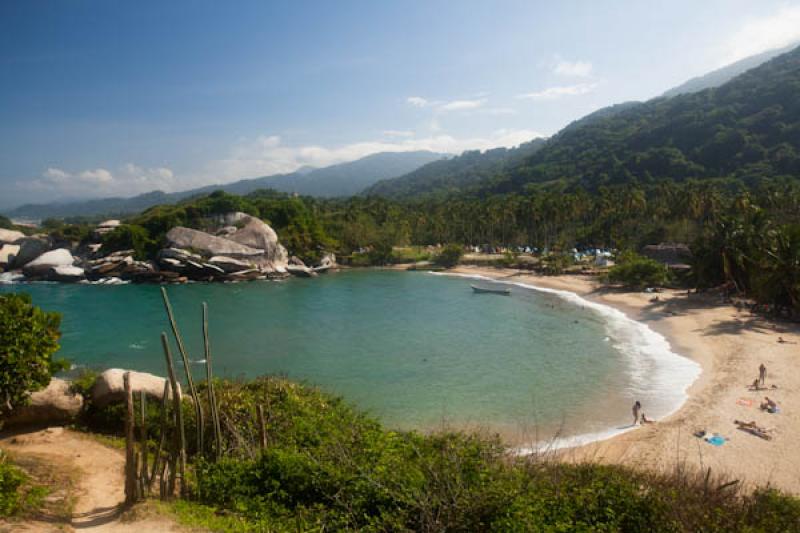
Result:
{"points": [[10, 236], [256, 234], [328, 260], [229, 264], [208, 245], [300, 271], [7, 254], [56, 404], [66, 274], [47, 261], [29, 249], [109, 386], [294, 260]]}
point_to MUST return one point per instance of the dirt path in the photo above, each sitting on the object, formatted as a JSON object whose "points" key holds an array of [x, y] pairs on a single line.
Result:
{"points": [[87, 484]]}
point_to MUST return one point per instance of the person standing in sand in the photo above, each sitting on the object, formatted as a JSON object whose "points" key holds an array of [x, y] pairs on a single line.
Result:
{"points": [[636, 408], [762, 374]]}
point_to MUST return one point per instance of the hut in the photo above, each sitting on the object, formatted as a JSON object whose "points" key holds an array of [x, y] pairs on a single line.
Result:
{"points": [[675, 255]]}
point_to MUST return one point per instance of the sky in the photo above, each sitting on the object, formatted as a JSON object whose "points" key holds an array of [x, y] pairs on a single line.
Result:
{"points": [[113, 98]]}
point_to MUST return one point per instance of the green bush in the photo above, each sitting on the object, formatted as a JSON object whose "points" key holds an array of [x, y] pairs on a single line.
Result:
{"points": [[633, 270], [5, 223], [450, 255], [131, 237], [11, 480], [28, 339]]}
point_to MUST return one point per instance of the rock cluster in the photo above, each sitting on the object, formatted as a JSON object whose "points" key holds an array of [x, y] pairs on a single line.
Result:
{"points": [[243, 248]]}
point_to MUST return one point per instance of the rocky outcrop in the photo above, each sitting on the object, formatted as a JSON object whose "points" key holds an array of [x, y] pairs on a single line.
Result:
{"points": [[29, 249], [257, 234], [300, 271], [56, 404], [229, 264], [109, 386], [10, 236], [208, 245], [42, 266]]}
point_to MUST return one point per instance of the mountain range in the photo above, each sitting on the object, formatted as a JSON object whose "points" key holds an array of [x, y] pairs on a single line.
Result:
{"points": [[344, 179]]}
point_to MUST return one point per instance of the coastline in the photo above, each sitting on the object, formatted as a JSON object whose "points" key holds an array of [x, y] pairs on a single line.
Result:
{"points": [[728, 344]]}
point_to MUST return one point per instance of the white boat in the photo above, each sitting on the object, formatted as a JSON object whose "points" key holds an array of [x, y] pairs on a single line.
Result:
{"points": [[489, 290]]}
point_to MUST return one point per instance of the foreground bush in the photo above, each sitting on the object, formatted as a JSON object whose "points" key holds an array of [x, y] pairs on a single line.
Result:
{"points": [[328, 467], [11, 480], [450, 255], [28, 339]]}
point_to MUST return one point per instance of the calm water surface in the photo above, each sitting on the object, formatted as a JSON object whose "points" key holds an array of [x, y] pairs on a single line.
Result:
{"points": [[414, 349]]}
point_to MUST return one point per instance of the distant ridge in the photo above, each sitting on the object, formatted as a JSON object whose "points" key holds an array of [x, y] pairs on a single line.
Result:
{"points": [[344, 179], [723, 75]]}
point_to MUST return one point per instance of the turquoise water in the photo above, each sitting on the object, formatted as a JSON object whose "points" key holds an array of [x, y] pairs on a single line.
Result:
{"points": [[414, 349]]}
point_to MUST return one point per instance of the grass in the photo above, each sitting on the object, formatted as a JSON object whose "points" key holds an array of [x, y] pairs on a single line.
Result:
{"points": [[24, 487]]}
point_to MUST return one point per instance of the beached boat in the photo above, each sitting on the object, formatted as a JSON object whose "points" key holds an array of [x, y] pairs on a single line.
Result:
{"points": [[490, 290]]}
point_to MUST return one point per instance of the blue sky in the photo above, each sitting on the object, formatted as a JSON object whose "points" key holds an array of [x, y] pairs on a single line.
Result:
{"points": [[105, 97]]}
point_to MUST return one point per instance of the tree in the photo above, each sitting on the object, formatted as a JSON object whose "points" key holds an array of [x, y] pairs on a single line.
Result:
{"points": [[636, 271], [450, 255], [28, 339]]}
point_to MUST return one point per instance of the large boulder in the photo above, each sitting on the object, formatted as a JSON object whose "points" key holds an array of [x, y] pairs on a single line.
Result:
{"points": [[43, 264], [255, 233], [56, 404], [10, 236], [208, 245], [7, 254], [109, 386], [29, 249]]}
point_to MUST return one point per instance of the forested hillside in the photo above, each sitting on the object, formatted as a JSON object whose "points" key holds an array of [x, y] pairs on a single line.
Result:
{"points": [[748, 128], [457, 174]]}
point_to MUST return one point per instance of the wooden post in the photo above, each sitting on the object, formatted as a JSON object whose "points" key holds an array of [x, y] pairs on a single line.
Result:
{"points": [[162, 437], [144, 482], [212, 397], [198, 409], [262, 427], [130, 455], [176, 402]]}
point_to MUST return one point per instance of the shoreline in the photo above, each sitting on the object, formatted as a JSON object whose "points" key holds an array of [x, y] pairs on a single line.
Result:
{"points": [[728, 344]]}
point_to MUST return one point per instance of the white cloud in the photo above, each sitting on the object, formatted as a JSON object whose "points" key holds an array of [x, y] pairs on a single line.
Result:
{"points": [[763, 33], [398, 133], [266, 155], [553, 93], [417, 101], [460, 105], [579, 69], [128, 180]]}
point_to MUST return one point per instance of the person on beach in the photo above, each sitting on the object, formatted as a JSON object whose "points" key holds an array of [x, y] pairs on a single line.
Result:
{"points": [[646, 420], [762, 374], [636, 408], [769, 405]]}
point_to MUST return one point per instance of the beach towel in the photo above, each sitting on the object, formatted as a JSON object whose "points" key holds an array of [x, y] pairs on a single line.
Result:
{"points": [[716, 440], [747, 402]]}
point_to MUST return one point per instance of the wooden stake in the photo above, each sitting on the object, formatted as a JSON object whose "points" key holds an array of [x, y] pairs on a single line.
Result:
{"points": [[212, 398], [162, 437], [176, 402], [144, 483], [262, 427], [130, 455], [198, 409]]}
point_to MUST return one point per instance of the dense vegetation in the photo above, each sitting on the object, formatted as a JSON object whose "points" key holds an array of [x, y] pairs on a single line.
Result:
{"points": [[328, 467], [28, 341]]}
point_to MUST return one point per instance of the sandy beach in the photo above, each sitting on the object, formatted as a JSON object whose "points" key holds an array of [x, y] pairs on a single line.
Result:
{"points": [[729, 344]]}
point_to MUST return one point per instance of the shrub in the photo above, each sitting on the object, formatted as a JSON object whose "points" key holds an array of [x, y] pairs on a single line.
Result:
{"points": [[28, 339], [11, 480], [6, 223], [556, 264], [450, 255], [635, 271], [130, 237]]}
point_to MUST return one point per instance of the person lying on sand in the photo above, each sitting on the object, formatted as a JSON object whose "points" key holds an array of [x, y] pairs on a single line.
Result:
{"points": [[754, 429], [769, 405], [646, 420], [784, 341]]}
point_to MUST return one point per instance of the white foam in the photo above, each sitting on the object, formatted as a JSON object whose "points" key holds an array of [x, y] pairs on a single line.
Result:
{"points": [[654, 369]]}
